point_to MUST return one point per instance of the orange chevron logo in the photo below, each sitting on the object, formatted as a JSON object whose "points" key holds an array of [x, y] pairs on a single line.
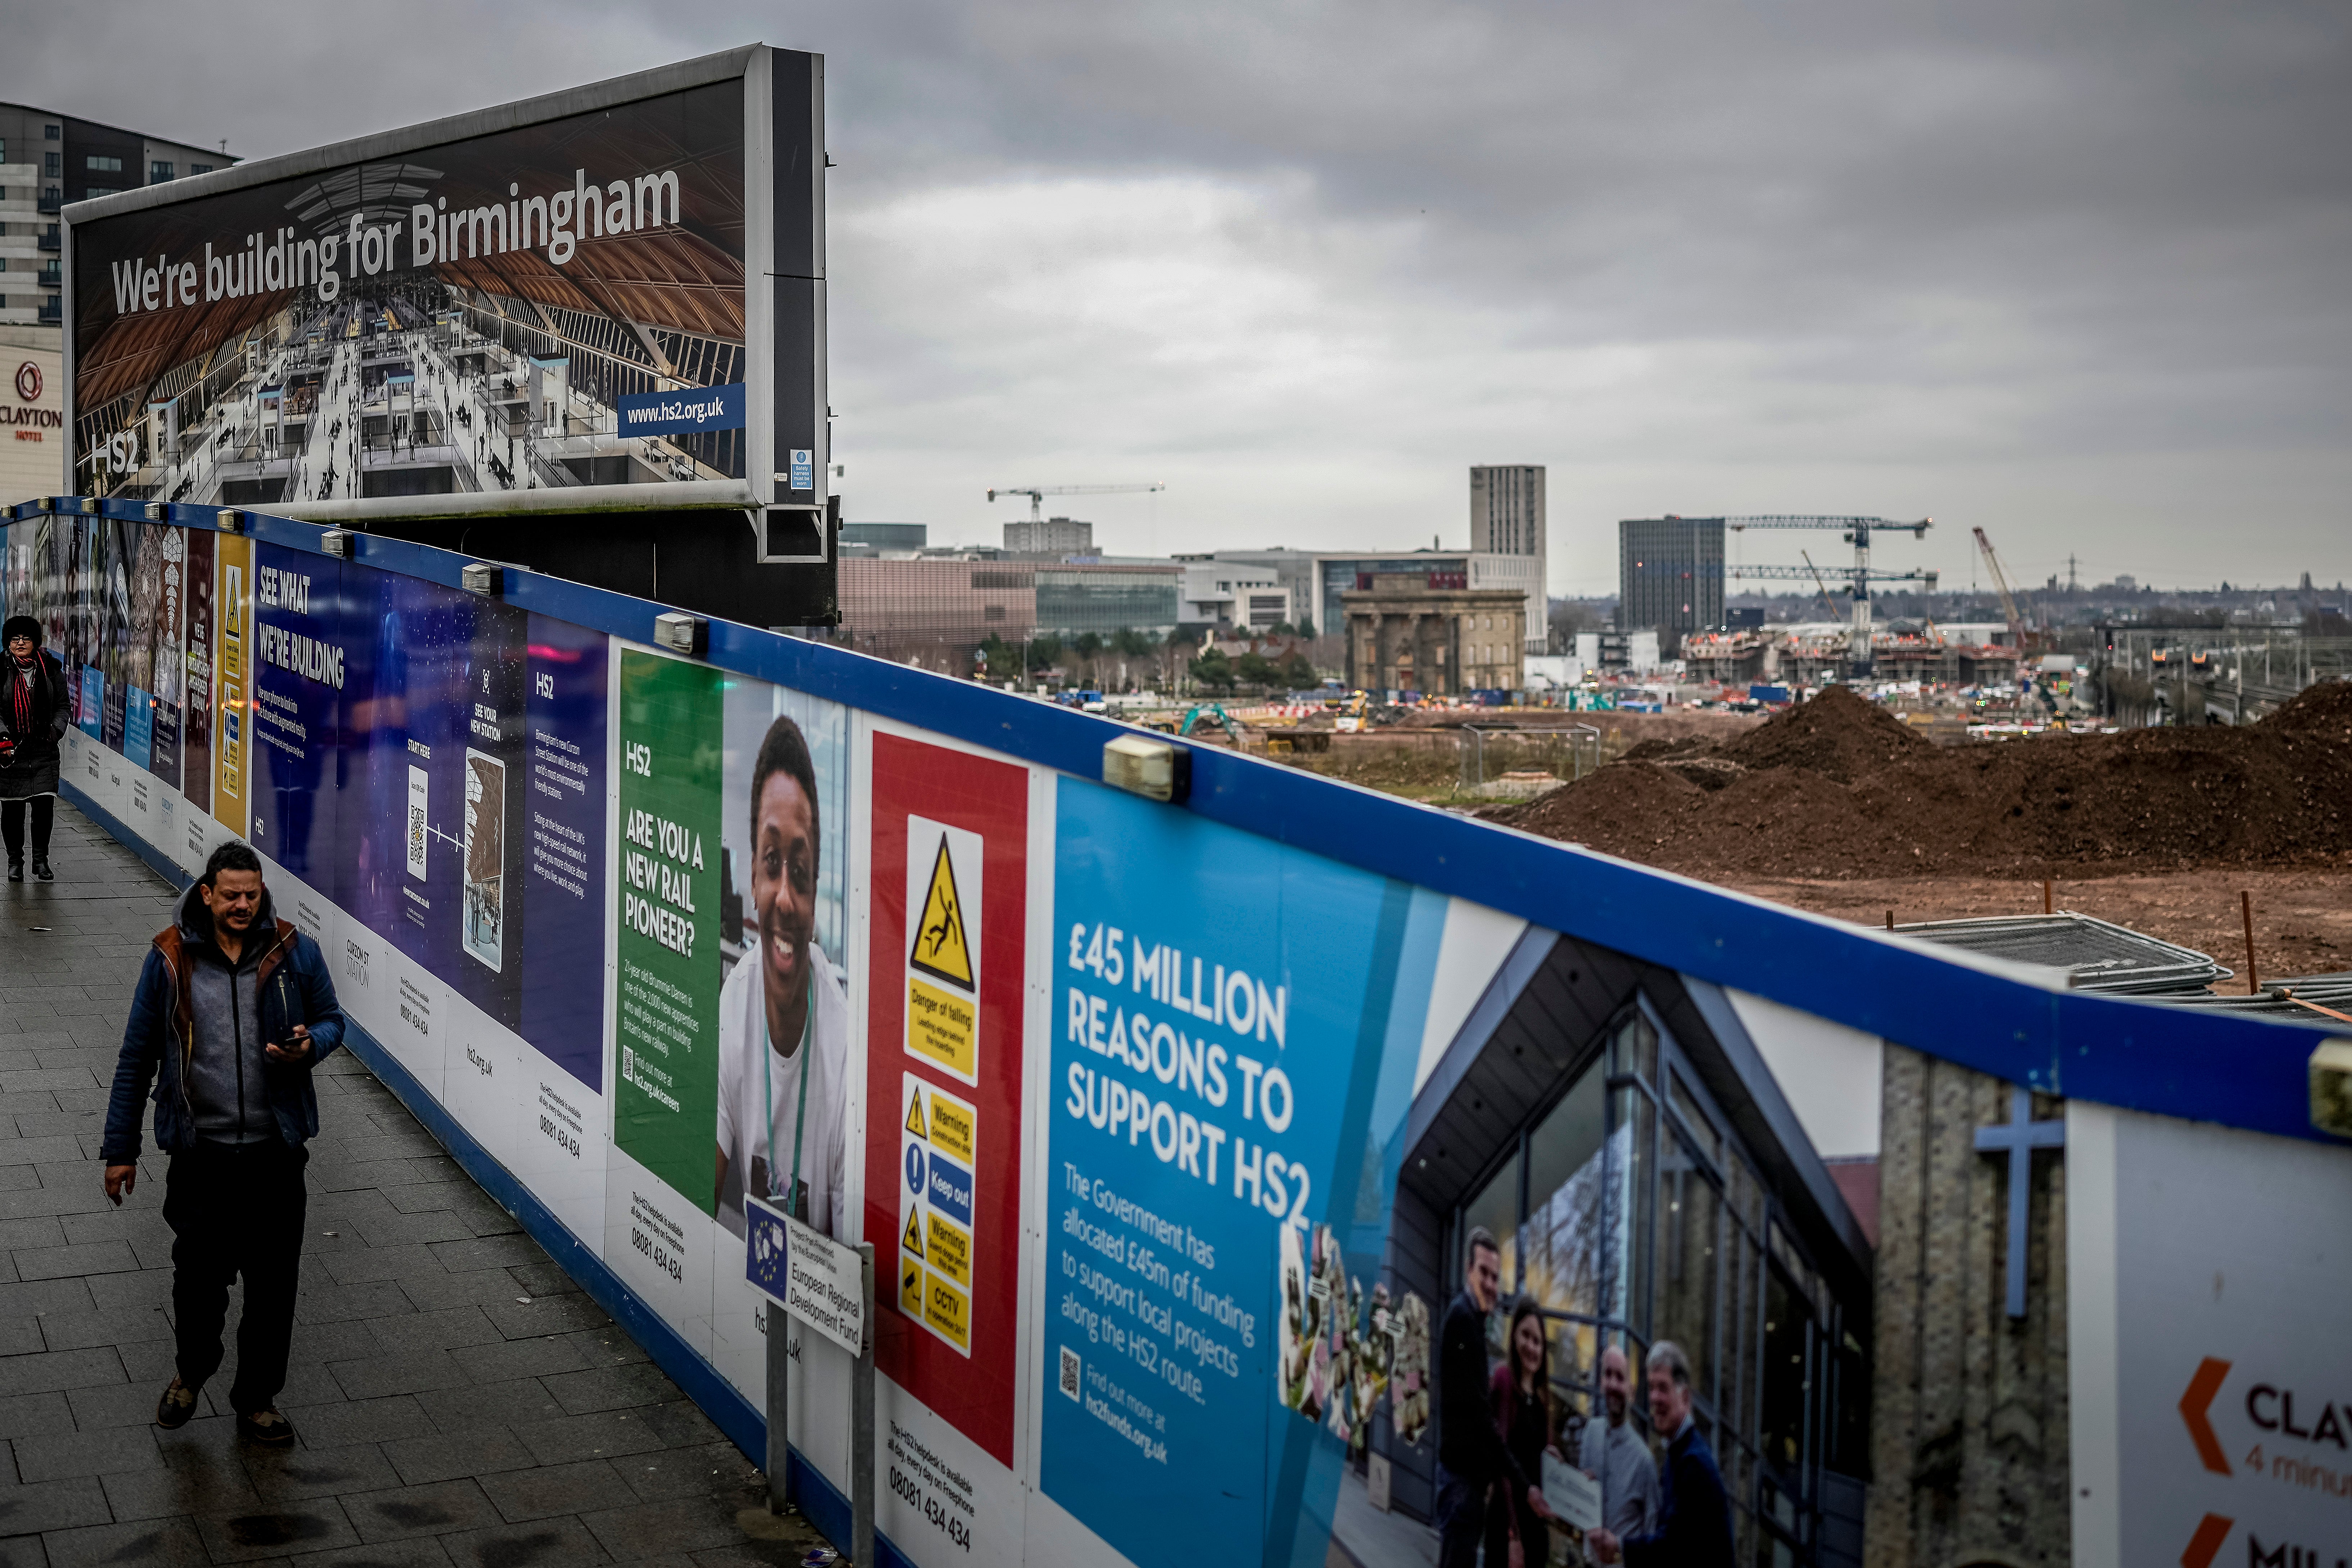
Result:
{"points": [[2211, 1531], [2210, 1372]]}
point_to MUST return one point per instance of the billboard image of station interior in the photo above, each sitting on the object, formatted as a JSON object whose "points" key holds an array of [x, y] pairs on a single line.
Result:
{"points": [[551, 305]]}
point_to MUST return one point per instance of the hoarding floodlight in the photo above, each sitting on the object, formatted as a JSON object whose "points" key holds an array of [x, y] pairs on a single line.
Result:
{"points": [[154, 512], [229, 519], [484, 578], [681, 633], [1157, 770], [337, 543], [2331, 1087]]}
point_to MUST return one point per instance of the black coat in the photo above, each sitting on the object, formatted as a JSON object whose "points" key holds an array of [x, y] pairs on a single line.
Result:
{"points": [[1469, 1444], [1694, 1515], [32, 768]]}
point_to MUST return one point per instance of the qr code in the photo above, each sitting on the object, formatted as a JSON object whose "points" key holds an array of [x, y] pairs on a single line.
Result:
{"points": [[1069, 1371]]}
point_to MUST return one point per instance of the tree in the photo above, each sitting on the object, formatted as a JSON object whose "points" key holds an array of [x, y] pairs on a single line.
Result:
{"points": [[1255, 669], [1003, 659], [1085, 644], [1307, 627], [1212, 671], [1297, 673]]}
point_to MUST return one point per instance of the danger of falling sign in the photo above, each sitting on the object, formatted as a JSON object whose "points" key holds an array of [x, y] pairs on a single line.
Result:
{"points": [[943, 937], [938, 1137]]}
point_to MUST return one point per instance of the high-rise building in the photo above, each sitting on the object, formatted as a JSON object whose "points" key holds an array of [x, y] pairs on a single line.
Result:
{"points": [[48, 160], [1506, 519], [1053, 536], [1669, 576]]}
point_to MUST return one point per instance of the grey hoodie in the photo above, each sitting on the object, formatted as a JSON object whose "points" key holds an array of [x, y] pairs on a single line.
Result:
{"points": [[225, 1084]]}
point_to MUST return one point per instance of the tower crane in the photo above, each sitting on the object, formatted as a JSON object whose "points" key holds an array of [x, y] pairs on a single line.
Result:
{"points": [[1857, 532], [1036, 493], [2008, 599]]}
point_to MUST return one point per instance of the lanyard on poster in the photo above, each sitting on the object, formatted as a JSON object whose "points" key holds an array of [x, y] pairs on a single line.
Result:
{"points": [[800, 1117]]}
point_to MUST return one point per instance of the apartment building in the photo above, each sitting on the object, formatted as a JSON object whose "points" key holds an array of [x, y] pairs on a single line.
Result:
{"points": [[49, 160]]}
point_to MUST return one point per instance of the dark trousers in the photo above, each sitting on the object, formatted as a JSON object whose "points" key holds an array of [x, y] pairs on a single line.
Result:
{"points": [[1502, 1513], [1461, 1519], [11, 824], [236, 1211]]}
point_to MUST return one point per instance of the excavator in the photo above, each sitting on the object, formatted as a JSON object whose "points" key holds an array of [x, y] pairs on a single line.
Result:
{"points": [[1202, 713]]}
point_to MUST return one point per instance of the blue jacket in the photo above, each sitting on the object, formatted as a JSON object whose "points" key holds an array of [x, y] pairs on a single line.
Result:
{"points": [[1694, 1515], [158, 1042]]}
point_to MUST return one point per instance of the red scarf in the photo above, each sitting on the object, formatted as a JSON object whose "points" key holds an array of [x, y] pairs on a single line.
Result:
{"points": [[23, 693]]}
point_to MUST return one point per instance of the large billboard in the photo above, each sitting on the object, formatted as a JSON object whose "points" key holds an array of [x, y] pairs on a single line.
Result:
{"points": [[614, 296]]}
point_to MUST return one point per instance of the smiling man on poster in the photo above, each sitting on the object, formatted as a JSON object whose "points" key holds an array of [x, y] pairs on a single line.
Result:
{"points": [[783, 1016]]}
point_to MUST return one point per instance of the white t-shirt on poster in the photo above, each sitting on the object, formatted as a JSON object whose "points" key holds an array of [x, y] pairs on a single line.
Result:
{"points": [[745, 1131]]}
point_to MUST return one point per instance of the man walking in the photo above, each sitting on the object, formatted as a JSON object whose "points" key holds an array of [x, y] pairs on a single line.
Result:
{"points": [[1471, 1454], [234, 1008], [1614, 1454], [1693, 1518]]}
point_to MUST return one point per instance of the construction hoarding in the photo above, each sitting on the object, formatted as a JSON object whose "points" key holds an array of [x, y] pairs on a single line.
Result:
{"points": [[1169, 1124]]}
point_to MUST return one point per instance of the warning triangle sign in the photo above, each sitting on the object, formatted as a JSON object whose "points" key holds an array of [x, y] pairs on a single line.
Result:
{"points": [[915, 1116], [939, 947], [912, 1242]]}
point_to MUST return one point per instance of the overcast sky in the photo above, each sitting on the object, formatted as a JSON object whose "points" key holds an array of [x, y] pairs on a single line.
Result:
{"points": [[2076, 274]]}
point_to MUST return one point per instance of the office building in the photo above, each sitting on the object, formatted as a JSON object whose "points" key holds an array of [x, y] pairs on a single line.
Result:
{"points": [[881, 538], [1223, 595], [1053, 536], [1506, 521], [937, 608], [1316, 579], [1670, 576], [49, 160]]}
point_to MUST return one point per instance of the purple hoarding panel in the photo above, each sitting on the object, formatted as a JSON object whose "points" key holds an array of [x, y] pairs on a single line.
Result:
{"points": [[562, 855]]}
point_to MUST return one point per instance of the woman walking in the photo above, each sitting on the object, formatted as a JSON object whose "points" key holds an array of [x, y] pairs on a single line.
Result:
{"points": [[35, 706], [1516, 1533]]}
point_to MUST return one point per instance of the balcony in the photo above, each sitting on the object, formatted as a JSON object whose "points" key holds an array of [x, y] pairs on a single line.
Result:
{"points": [[53, 312], [52, 199], [52, 275], [50, 242]]}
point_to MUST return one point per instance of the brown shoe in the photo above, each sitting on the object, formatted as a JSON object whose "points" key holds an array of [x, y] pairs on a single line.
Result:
{"points": [[265, 1425], [179, 1402]]}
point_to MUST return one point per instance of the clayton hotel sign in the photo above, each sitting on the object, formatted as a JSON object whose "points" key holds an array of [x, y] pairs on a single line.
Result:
{"points": [[32, 424]]}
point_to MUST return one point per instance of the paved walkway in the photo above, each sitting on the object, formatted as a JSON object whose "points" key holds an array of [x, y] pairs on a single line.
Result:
{"points": [[458, 1399]]}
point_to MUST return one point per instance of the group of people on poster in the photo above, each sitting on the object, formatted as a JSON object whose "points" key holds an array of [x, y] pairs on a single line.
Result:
{"points": [[1499, 1459]]}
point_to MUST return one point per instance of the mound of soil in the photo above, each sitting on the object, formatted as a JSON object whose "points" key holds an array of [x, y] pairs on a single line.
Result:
{"points": [[1836, 733], [1836, 787]]}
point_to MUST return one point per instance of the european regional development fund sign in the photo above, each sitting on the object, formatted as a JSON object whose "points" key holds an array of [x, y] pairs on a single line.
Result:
{"points": [[820, 1282]]}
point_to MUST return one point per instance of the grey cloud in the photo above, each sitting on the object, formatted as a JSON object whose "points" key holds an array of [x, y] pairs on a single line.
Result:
{"points": [[2080, 266]]}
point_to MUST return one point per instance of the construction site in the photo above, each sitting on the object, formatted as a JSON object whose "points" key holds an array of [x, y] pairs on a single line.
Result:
{"points": [[2204, 837]]}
